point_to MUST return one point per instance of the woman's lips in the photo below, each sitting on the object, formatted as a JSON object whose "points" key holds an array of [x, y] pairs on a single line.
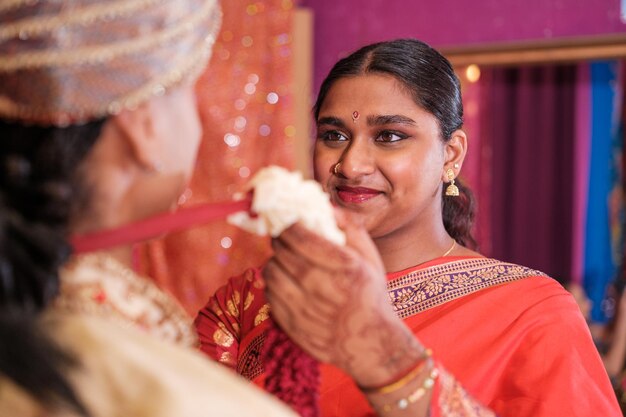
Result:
{"points": [[356, 194]]}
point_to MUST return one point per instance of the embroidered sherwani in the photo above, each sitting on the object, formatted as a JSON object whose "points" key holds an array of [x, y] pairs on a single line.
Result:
{"points": [[132, 343], [98, 285], [124, 372], [509, 341]]}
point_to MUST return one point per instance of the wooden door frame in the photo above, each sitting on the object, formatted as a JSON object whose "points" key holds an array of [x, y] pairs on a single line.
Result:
{"points": [[541, 51]]}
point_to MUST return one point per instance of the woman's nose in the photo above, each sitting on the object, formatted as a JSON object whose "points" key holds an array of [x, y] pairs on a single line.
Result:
{"points": [[357, 160]]}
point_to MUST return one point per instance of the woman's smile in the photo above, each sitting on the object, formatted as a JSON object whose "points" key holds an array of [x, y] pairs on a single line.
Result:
{"points": [[356, 195]]}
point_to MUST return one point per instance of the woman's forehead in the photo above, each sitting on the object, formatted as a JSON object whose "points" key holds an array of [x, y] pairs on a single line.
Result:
{"points": [[369, 95]]}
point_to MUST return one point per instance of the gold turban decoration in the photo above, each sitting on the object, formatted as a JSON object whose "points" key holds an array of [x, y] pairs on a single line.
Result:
{"points": [[70, 61]]}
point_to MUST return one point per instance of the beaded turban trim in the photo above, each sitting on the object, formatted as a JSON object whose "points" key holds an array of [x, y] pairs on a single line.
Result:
{"points": [[70, 61]]}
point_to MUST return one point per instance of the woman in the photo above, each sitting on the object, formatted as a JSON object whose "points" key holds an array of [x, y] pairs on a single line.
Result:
{"points": [[502, 339], [99, 128]]}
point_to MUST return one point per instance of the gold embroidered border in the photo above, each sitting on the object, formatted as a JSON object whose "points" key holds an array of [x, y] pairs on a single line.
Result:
{"points": [[424, 289], [249, 365], [77, 296]]}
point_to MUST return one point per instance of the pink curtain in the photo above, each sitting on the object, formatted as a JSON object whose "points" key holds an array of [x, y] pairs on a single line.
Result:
{"points": [[527, 126]]}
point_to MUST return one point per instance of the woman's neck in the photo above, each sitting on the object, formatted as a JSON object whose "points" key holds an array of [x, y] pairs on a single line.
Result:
{"points": [[404, 250]]}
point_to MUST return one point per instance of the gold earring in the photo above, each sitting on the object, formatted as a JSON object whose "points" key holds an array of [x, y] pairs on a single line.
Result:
{"points": [[452, 190], [336, 168]]}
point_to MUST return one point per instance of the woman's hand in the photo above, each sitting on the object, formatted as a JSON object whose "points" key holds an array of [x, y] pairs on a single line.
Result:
{"points": [[332, 301]]}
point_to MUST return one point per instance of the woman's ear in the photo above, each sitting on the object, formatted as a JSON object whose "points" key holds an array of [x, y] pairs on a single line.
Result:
{"points": [[455, 150], [137, 128]]}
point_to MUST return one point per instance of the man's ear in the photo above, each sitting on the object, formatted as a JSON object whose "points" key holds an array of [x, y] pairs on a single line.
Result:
{"points": [[137, 129], [455, 150]]}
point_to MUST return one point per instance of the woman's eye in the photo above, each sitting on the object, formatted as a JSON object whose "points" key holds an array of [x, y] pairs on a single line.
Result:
{"points": [[333, 136], [388, 136]]}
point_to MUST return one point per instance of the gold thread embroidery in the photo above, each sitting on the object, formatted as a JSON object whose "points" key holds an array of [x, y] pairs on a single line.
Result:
{"points": [[233, 303], [227, 358], [424, 289], [158, 85], [262, 315], [88, 15], [99, 54], [248, 302], [223, 337], [190, 67]]}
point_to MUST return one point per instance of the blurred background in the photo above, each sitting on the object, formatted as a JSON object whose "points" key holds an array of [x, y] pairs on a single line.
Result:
{"points": [[543, 84]]}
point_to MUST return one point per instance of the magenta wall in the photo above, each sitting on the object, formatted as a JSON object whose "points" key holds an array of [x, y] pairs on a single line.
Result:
{"points": [[343, 25]]}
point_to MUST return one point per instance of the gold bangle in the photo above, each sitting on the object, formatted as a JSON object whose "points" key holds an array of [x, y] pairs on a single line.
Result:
{"points": [[415, 396], [401, 381]]}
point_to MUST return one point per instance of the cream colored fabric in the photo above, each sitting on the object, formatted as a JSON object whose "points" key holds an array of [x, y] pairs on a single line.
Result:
{"points": [[97, 284], [127, 373]]}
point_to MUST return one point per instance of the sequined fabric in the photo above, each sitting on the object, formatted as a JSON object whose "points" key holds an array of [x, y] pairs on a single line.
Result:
{"points": [[247, 110]]}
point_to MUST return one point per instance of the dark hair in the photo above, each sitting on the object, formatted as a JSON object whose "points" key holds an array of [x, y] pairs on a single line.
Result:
{"points": [[39, 188], [435, 88]]}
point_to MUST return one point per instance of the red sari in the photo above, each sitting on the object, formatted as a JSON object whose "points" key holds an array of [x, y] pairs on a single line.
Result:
{"points": [[509, 335]]}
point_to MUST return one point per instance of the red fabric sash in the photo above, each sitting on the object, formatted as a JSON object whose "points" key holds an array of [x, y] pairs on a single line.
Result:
{"points": [[156, 226]]}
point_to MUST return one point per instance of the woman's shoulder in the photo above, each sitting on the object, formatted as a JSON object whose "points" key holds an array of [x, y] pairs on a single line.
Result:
{"points": [[533, 282], [535, 294], [467, 279]]}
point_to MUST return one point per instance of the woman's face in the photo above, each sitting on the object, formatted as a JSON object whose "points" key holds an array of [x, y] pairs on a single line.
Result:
{"points": [[392, 158]]}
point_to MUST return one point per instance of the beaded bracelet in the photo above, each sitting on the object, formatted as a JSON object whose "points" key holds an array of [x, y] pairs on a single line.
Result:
{"points": [[413, 397], [400, 382]]}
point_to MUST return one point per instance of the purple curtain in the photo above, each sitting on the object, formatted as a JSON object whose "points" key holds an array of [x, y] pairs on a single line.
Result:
{"points": [[528, 128]]}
